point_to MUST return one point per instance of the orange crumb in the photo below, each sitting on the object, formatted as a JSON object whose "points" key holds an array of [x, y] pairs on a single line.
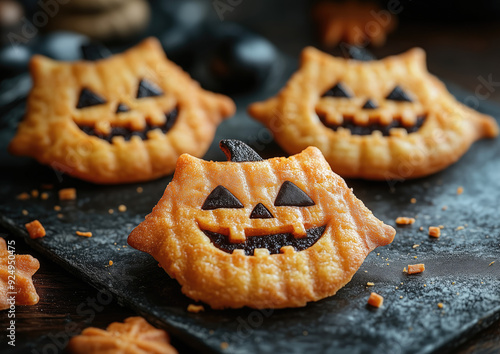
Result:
{"points": [[444, 207], [441, 227], [416, 268], [57, 208], [375, 300], [405, 270], [122, 208], [404, 220], [24, 212], [421, 228], [60, 216], [491, 263], [413, 200], [139, 189], [67, 194], [44, 195], [459, 228], [23, 196], [111, 211], [35, 229], [434, 231], [224, 345], [370, 283], [440, 305], [195, 308], [84, 234], [34, 193], [460, 190], [110, 263]]}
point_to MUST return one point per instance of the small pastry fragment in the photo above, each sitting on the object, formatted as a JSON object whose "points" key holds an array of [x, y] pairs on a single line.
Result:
{"points": [[20, 290], [375, 300], [260, 233], [35, 229], [416, 268], [434, 231], [67, 194], [403, 220], [121, 119], [381, 119], [134, 336]]}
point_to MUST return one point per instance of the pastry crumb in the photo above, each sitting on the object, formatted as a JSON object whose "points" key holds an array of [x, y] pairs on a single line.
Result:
{"points": [[60, 216], [35, 193], [111, 211], [440, 305], [416, 268], [402, 220], [195, 308], [224, 345], [44, 196], [370, 283], [23, 196], [84, 234], [24, 212], [57, 208], [491, 263], [441, 227], [110, 262], [405, 271], [413, 200], [67, 194], [47, 186], [35, 229], [421, 228], [139, 190], [459, 228], [460, 190], [122, 208], [415, 246], [434, 231], [375, 300], [444, 207]]}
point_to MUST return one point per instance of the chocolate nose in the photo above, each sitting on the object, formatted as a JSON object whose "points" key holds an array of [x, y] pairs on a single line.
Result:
{"points": [[261, 212], [369, 104], [122, 107]]}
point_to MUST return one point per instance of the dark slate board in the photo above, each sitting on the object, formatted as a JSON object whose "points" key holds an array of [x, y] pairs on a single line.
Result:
{"points": [[457, 273]]}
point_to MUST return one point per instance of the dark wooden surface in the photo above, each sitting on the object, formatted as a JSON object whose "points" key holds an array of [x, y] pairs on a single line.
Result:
{"points": [[463, 54]]}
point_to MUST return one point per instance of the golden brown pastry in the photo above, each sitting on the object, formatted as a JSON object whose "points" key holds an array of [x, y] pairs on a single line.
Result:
{"points": [[259, 233], [382, 119], [122, 119]]}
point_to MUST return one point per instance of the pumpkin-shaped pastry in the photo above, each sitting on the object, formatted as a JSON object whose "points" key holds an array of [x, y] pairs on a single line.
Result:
{"points": [[260, 233], [125, 118], [380, 119]]}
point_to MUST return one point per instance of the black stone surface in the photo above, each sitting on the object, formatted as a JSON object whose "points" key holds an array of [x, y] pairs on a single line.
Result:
{"points": [[459, 271]]}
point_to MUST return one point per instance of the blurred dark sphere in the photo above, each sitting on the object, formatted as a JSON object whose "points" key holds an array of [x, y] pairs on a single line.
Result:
{"points": [[60, 45], [235, 60], [14, 59]]}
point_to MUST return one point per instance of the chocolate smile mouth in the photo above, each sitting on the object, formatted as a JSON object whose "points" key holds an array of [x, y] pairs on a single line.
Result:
{"points": [[368, 129], [273, 243], [127, 134]]}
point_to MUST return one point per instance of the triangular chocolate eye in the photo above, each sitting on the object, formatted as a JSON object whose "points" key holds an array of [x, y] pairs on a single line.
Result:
{"points": [[148, 89], [220, 197], [261, 212], [369, 104], [88, 98], [337, 91], [238, 151], [291, 195], [397, 94]]}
